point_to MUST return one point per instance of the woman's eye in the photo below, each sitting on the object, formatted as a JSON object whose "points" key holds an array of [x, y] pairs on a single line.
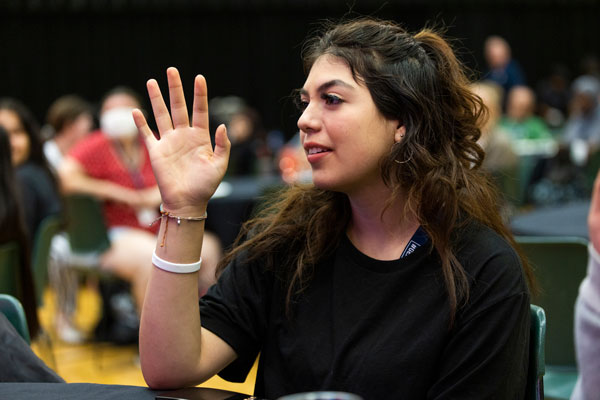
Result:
{"points": [[301, 104], [331, 99]]}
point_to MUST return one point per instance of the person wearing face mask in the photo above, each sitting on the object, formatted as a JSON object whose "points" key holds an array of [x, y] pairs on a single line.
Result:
{"points": [[112, 164]]}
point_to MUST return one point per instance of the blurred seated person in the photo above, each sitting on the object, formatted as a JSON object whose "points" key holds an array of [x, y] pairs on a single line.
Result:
{"points": [[69, 119], [587, 311], [562, 178], [583, 125], [112, 164], [499, 154], [13, 229], [519, 121], [500, 159], [502, 67], [37, 182], [250, 154]]}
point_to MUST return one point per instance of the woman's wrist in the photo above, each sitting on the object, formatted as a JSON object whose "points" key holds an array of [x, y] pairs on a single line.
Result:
{"points": [[180, 240], [183, 210]]}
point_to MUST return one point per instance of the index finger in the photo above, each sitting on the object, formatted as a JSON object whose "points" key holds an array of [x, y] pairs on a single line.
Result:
{"points": [[200, 107]]}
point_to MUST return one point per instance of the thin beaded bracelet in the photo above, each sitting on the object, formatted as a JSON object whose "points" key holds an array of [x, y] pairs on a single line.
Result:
{"points": [[164, 213]]}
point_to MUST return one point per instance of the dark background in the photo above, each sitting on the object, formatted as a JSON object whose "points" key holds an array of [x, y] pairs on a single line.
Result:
{"points": [[251, 48]]}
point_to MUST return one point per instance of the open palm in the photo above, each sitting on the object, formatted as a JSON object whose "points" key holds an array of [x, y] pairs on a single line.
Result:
{"points": [[187, 168]]}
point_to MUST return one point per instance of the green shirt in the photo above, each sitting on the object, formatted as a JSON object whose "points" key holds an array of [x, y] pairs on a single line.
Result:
{"points": [[531, 128]]}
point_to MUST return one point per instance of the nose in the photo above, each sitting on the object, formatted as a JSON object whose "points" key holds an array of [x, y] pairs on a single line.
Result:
{"points": [[310, 120]]}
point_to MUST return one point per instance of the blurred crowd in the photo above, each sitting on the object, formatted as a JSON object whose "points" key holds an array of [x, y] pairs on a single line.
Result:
{"points": [[541, 138]]}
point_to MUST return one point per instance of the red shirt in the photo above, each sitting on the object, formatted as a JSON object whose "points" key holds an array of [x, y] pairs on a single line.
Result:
{"points": [[100, 159]]}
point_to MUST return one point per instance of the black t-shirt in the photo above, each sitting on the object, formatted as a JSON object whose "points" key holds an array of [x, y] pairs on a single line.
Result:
{"points": [[380, 329]]}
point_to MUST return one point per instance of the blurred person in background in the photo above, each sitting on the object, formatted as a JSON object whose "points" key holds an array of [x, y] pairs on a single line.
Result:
{"points": [[68, 120], [13, 229], [500, 159], [583, 124], [519, 120], [495, 141], [250, 154], [112, 164], [37, 182], [502, 67]]}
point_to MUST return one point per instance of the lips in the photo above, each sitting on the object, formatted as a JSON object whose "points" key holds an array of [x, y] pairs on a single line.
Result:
{"points": [[316, 150]]}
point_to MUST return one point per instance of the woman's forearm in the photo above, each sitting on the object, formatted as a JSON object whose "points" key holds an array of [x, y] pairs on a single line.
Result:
{"points": [[172, 345]]}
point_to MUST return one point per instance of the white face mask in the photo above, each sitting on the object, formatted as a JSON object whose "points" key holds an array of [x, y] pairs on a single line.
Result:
{"points": [[118, 123]]}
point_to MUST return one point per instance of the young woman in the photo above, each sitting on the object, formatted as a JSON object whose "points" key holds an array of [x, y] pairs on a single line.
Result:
{"points": [[392, 276], [37, 183]]}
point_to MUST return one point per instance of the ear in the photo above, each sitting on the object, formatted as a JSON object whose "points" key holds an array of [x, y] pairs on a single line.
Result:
{"points": [[400, 132]]}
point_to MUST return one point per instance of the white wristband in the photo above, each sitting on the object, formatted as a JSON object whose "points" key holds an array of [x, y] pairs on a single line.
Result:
{"points": [[175, 267]]}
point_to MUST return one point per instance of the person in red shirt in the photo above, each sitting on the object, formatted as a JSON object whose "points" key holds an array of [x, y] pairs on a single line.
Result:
{"points": [[113, 165]]}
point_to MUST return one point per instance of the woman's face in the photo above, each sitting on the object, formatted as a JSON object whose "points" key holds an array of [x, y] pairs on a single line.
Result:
{"points": [[343, 134], [19, 140]]}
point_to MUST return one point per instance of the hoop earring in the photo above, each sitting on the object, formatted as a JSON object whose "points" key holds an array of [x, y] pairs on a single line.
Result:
{"points": [[405, 161]]}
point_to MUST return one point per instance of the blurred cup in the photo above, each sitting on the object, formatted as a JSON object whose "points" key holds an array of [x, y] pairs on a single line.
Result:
{"points": [[321, 396]]}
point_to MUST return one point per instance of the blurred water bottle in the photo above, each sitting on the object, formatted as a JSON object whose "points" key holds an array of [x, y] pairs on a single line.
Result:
{"points": [[321, 396]]}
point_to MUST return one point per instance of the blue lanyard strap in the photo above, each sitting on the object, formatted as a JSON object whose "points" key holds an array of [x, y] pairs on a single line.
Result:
{"points": [[418, 239]]}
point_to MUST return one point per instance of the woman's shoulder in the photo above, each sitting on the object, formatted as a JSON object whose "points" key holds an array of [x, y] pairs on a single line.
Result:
{"points": [[487, 256], [493, 268], [31, 172]]}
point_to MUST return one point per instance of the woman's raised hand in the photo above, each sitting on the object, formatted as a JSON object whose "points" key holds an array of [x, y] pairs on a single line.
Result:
{"points": [[186, 167]]}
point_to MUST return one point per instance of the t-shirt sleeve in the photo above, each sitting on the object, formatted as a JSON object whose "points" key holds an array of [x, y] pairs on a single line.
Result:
{"points": [[487, 353], [236, 309]]}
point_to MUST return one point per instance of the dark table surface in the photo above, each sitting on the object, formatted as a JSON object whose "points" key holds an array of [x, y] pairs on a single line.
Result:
{"points": [[561, 220], [78, 391]]}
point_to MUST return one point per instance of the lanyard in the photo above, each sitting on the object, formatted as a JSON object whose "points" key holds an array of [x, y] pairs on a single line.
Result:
{"points": [[418, 239], [135, 172]]}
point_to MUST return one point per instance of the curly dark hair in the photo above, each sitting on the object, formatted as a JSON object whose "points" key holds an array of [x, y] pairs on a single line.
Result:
{"points": [[417, 80]]}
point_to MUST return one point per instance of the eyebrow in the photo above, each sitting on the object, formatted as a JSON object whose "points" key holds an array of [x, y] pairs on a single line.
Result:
{"points": [[323, 87]]}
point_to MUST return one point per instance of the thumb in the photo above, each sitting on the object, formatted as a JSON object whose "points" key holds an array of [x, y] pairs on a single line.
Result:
{"points": [[222, 143]]}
